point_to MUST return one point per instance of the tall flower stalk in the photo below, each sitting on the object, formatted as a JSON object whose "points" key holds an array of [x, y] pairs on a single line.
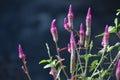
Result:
{"points": [[23, 58]]}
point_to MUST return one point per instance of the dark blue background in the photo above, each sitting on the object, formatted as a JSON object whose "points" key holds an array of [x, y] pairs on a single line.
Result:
{"points": [[28, 22]]}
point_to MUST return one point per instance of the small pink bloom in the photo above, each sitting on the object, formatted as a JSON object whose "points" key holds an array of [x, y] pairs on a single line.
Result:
{"points": [[118, 70], [21, 53], [59, 49], [88, 18], [53, 72], [81, 32], [53, 30], [69, 48], [66, 26]]}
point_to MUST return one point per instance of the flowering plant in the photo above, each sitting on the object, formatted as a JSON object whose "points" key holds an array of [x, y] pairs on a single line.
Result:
{"points": [[84, 65]]}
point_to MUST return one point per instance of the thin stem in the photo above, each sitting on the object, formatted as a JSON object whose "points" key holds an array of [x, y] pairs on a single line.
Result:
{"points": [[61, 66], [78, 51], [118, 35], [48, 50], [114, 61], [102, 57], [86, 64], [27, 72]]}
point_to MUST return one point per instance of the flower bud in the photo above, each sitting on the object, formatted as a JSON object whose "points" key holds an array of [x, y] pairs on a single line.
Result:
{"points": [[88, 28], [81, 33], [66, 26], [53, 30], [118, 70], [88, 18], [21, 53], [105, 39], [70, 17]]}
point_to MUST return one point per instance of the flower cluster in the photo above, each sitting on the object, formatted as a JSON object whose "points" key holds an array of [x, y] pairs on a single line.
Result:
{"points": [[81, 66]]}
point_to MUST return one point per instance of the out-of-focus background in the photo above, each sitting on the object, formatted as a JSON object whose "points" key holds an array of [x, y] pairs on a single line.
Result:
{"points": [[28, 22]]}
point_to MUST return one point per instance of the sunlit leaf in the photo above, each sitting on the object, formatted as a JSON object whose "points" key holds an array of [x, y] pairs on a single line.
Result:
{"points": [[93, 65], [44, 61], [48, 66], [116, 22]]}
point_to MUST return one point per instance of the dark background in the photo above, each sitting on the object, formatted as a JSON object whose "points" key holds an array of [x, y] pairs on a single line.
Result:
{"points": [[28, 22]]}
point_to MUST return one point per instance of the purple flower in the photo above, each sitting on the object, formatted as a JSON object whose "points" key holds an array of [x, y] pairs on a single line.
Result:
{"points": [[88, 28], [21, 53], [118, 70], [81, 33], [88, 18], [53, 30], [66, 26], [70, 17], [70, 13], [105, 39]]}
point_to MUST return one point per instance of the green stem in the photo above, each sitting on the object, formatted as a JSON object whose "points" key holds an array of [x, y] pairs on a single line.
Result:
{"points": [[114, 61], [102, 57], [48, 50], [27, 72], [86, 63], [78, 61], [61, 66]]}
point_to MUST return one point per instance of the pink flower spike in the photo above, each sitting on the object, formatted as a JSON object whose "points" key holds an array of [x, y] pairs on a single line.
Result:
{"points": [[106, 33], [105, 39], [81, 29], [54, 31], [66, 26], [20, 51], [81, 32], [88, 18], [118, 70], [70, 13]]}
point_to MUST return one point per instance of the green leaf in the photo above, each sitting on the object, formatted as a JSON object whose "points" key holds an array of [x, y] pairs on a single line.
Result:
{"points": [[99, 35], [93, 65], [112, 47], [44, 61], [112, 29], [118, 12], [48, 66], [91, 45], [116, 22]]}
